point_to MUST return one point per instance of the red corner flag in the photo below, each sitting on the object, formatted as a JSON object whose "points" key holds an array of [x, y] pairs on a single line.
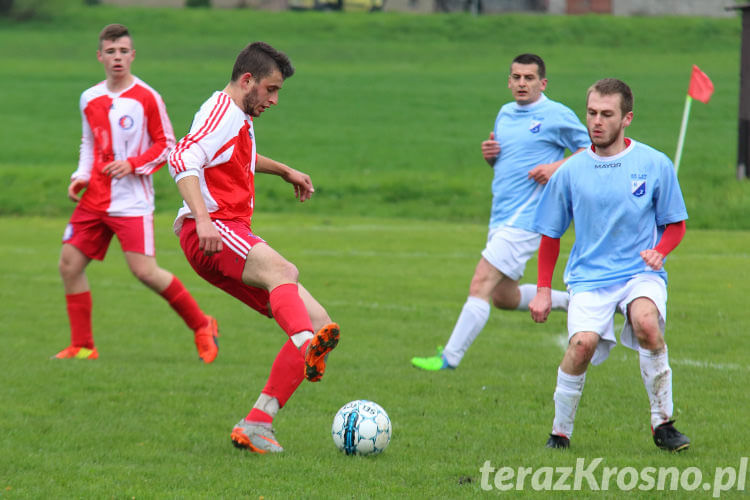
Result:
{"points": [[700, 87]]}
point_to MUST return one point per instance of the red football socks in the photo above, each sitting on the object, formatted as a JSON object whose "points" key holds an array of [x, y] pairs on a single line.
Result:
{"points": [[288, 309], [184, 304], [287, 373], [257, 415], [79, 315]]}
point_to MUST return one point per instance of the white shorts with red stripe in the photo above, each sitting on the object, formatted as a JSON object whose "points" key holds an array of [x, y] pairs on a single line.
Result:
{"points": [[91, 232]]}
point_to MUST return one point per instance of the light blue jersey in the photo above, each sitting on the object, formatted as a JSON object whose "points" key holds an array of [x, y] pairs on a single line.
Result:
{"points": [[529, 135], [620, 205]]}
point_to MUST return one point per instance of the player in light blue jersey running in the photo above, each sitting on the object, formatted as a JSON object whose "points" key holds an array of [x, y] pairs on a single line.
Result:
{"points": [[527, 145], [629, 214]]}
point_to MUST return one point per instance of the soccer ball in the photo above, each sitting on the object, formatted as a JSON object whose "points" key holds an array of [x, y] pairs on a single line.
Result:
{"points": [[361, 427]]}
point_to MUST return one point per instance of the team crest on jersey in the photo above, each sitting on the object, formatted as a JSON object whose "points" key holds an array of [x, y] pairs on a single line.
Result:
{"points": [[535, 127], [126, 122], [638, 187]]}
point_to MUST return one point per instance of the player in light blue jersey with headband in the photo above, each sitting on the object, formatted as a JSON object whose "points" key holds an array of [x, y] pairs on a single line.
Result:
{"points": [[527, 145], [629, 214]]}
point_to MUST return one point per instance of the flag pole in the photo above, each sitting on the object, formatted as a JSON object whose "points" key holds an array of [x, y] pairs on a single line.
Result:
{"points": [[683, 128]]}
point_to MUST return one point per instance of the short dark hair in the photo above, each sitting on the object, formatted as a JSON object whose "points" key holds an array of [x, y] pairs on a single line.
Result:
{"points": [[532, 59], [260, 60], [612, 86], [112, 32]]}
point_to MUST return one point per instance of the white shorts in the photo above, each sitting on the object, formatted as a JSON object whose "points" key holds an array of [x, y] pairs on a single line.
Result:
{"points": [[509, 249], [594, 311]]}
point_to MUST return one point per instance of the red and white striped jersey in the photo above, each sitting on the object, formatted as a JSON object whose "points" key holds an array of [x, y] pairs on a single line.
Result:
{"points": [[220, 151], [130, 125]]}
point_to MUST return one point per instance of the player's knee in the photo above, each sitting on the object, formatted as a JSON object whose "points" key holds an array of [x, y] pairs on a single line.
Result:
{"points": [[289, 272], [582, 352], [67, 267], [645, 323], [63, 266], [582, 347], [650, 338], [646, 328]]}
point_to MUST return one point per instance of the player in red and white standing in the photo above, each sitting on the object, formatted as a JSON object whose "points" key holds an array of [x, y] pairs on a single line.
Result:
{"points": [[214, 167], [126, 138]]}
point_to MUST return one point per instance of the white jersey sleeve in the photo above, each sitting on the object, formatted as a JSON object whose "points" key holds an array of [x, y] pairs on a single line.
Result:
{"points": [[220, 151], [86, 150], [206, 137]]}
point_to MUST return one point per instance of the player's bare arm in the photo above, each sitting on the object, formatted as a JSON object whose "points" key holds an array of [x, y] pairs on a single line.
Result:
{"points": [[490, 149], [653, 259], [208, 236], [303, 186], [673, 234], [118, 169], [541, 305], [75, 187], [542, 173]]}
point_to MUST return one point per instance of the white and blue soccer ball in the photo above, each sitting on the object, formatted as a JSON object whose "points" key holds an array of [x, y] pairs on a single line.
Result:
{"points": [[361, 427]]}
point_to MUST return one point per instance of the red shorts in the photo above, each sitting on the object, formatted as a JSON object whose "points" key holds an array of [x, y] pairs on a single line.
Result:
{"points": [[224, 269], [91, 233]]}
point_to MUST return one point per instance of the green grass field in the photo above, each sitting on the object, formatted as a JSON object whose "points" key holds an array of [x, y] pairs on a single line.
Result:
{"points": [[386, 113], [147, 420]]}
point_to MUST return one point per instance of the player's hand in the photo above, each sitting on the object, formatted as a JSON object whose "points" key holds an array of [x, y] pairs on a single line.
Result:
{"points": [[75, 187], [542, 173], [118, 169], [653, 259], [541, 305], [490, 149], [303, 186], [209, 239]]}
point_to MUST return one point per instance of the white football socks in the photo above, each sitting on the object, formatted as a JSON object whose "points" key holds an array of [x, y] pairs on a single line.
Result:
{"points": [[267, 404], [472, 319], [657, 377], [567, 396], [528, 291], [560, 300], [299, 339]]}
